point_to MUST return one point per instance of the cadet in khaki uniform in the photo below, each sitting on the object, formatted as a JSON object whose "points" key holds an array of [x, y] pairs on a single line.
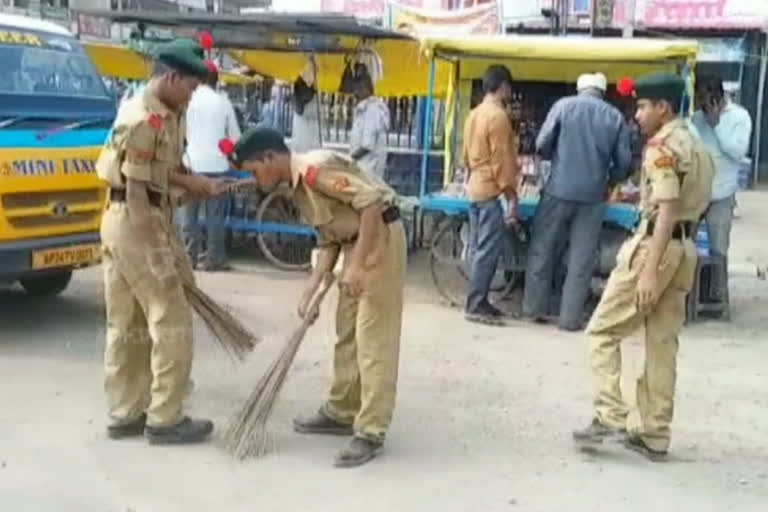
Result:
{"points": [[149, 323], [353, 213], [654, 273]]}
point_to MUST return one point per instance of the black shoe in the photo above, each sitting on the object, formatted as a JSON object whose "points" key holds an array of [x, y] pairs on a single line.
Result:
{"points": [[491, 310], [485, 316], [358, 452], [216, 267], [320, 423], [131, 428], [570, 327], [596, 433], [636, 444], [186, 431]]}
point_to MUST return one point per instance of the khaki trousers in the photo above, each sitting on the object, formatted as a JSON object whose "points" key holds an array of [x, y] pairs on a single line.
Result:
{"points": [[617, 316], [367, 349], [148, 353]]}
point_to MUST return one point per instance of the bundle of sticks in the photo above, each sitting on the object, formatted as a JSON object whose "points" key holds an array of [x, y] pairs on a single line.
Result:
{"points": [[229, 332], [248, 435], [231, 335]]}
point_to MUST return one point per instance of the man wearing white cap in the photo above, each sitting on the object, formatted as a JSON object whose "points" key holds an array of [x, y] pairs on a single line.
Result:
{"points": [[588, 143]]}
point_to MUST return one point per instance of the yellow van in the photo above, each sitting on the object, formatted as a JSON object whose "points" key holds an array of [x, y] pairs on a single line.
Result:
{"points": [[55, 114]]}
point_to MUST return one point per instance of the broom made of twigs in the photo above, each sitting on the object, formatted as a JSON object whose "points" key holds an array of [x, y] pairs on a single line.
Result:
{"points": [[231, 335], [228, 331], [248, 435]]}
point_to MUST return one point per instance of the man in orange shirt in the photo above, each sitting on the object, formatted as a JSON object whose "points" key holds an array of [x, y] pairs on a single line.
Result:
{"points": [[490, 155]]}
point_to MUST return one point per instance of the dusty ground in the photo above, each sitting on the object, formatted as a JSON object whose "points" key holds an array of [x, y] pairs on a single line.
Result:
{"points": [[483, 420]]}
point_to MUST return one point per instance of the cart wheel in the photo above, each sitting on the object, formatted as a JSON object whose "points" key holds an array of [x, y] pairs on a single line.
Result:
{"points": [[448, 263], [284, 250]]}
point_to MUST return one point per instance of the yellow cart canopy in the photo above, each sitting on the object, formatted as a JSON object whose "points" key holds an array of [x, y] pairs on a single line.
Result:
{"points": [[561, 59], [279, 44], [122, 62], [406, 69]]}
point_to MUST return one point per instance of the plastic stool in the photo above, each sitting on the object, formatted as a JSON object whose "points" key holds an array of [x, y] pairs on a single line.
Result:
{"points": [[694, 304]]}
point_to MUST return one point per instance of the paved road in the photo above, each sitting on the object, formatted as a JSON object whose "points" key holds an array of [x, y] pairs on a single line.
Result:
{"points": [[483, 420]]}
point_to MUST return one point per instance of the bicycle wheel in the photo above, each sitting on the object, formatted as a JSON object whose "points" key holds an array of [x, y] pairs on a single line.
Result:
{"points": [[284, 240], [449, 263]]}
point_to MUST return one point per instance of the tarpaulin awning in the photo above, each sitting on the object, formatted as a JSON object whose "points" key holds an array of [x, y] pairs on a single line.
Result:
{"points": [[562, 48], [122, 62], [278, 45], [405, 68], [561, 59], [288, 23]]}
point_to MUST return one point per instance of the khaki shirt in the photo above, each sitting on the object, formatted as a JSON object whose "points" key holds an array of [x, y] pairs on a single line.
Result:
{"points": [[676, 167], [490, 152], [330, 190], [146, 144]]}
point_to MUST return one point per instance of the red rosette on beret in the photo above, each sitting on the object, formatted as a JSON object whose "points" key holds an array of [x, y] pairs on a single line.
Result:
{"points": [[206, 40], [625, 86]]}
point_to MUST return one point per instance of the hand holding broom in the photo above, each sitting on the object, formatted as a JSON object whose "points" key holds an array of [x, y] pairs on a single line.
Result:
{"points": [[248, 434]]}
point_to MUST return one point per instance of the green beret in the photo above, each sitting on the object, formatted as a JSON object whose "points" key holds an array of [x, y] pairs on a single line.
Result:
{"points": [[254, 142], [660, 86], [183, 55]]}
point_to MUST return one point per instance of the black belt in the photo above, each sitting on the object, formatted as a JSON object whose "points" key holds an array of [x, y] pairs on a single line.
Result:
{"points": [[390, 215], [118, 195], [680, 231]]}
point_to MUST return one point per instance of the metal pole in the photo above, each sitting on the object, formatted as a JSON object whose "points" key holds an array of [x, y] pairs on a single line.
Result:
{"points": [[593, 17], [564, 18], [317, 99], [629, 23], [427, 132], [760, 101]]}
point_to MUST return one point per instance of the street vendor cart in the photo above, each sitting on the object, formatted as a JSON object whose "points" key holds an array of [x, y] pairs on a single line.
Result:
{"points": [[539, 61]]}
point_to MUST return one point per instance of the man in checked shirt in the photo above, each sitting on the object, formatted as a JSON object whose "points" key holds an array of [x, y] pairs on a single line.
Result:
{"points": [[490, 156]]}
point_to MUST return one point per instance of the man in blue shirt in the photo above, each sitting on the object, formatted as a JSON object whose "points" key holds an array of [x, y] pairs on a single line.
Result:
{"points": [[725, 128], [588, 142]]}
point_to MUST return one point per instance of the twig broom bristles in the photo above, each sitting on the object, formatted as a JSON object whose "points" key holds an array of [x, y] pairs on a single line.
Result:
{"points": [[231, 335], [247, 435]]}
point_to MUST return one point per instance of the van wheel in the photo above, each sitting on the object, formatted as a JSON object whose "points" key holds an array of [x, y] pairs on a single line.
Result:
{"points": [[48, 284]]}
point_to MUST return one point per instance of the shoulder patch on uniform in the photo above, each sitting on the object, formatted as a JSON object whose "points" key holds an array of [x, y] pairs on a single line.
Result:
{"points": [[340, 184], [310, 176], [665, 162], [155, 121]]}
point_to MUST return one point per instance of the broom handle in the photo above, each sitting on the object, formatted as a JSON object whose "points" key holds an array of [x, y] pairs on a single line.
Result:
{"points": [[318, 297]]}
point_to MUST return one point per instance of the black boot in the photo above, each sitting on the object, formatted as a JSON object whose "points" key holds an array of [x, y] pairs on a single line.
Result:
{"points": [[358, 452], [131, 428], [636, 444], [596, 432], [320, 423], [186, 431]]}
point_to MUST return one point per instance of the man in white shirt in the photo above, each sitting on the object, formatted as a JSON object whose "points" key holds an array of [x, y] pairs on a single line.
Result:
{"points": [[725, 128], [368, 139], [210, 118]]}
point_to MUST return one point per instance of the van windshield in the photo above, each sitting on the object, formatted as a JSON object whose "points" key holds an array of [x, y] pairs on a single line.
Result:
{"points": [[39, 63]]}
